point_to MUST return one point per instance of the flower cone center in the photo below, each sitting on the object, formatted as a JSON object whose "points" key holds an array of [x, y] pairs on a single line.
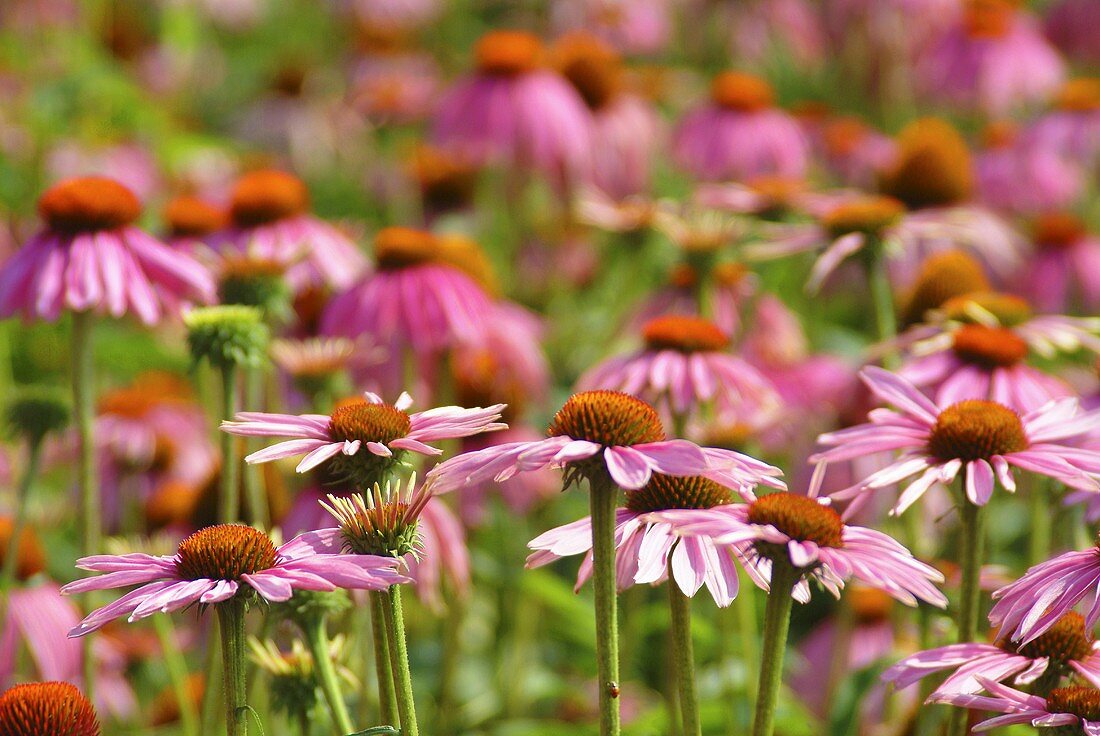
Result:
{"points": [[989, 19], [508, 53], [446, 182], [1000, 134], [684, 334], [224, 552], [933, 166], [30, 556], [1080, 95], [989, 347], [844, 136], [47, 709], [871, 215], [1081, 701], [608, 418], [741, 92], [148, 392], [799, 517], [943, 276], [678, 492], [1008, 309], [467, 256], [263, 197], [399, 247], [1064, 641], [358, 419], [88, 204], [592, 66], [1058, 230], [777, 192], [191, 217], [976, 430]]}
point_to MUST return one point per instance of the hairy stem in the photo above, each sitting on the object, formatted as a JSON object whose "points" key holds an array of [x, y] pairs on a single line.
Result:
{"points": [[603, 497], [399, 662], [317, 641], [777, 622], [683, 655], [231, 617]]}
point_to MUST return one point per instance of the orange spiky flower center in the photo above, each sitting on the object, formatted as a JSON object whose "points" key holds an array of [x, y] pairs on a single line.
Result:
{"points": [[466, 255], [870, 215], [224, 552], [844, 135], [684, 334], [191, 217], [989, 19], [446, 182], [592, 66], [359, 419], [399, 247], [30, 556], [148, 392], [678, 492], [608, 418], [1058, 230], [1081, 701], [742, 92], [88, 204], [1079, 95], [47, 709], [508, 53], [1008, 309], [943, 276], [1066, 640], [933, 167], [266, 196], [989, 347], [976, 429], [799, 517]]}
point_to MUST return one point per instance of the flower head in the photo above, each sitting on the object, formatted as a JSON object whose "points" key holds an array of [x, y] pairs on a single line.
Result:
{"points": [[1071, 710], [384, 521], [47, 709]]}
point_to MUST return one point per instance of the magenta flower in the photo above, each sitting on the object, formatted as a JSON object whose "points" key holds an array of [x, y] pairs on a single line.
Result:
{"points": [[980, 440], [645, 544], [512, 111], [1072, 127], [684, 368], [633, 26], [1017, 177], [521, 492], [363, 438], [764, 28], [993, 59], [1065, 267], [271, 221], [1076, 708], [218, 562], [90, 256], [809, 535], [604, 432], [1066, 648], [740, 134], [1073, 26]]}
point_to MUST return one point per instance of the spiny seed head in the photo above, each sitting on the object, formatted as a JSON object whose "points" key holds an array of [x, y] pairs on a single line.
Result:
{"points": [[47, 709], [741, 92], [191, 217], [976, 430], [227, 335], [943, 276], [1058, 230], [799, 517], [30, 556], [508, 53], [1081, 701], [1007, 310], [266, 196], [398, 247], [383, 522], [1079, 95], [664, 492], [609, 418], [224, 552], [933, 167], [684, 334], [989, 347], [1066, 640], [359, 420], [446, 181], [88, 204], [37, 411], [591, 65], [869, 215]]}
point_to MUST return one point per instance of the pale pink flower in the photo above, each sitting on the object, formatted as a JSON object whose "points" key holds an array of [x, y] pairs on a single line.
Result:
{"points": [[1018, 177], [1076, 707], [1072, 126], [1064, 272]]}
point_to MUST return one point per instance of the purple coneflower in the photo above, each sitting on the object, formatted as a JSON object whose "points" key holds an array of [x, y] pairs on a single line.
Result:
{"points": [[1072, 127], [47, 708], [1017, 177], [1074, 709], [633, 26], [190, 222], [1065, 270]]}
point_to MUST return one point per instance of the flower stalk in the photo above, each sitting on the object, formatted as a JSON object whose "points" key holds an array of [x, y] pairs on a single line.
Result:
{"points": [[683, 654], [11, 554], [87, 482], [971, 551], [231, 618], [602, 498], [318, 643], [399, 662], [230, 491], [387, 695], [777, 623]]}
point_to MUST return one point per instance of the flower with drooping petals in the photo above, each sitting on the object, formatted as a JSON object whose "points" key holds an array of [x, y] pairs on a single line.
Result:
{"points": [[1065, 649], [740, 134], [604, 434], [1065, 269], [978, 439], [47, 709], [1068, 710], [685, 367], [190, 222], [1072, 127], [807, 534], [217, 563], [90, 256], [1014, 176], [363, 438]]}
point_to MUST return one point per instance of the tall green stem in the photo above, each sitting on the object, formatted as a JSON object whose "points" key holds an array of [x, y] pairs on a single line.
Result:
{"points": [[11, 554], [253, 489], [230, 506], [602, 499], [683, 653], [399, 662], [387, 696], [1041, 512], [777, 623], [882, 298], [231, 617], [87, 482], [177, 673], [317, 641], [971, 551]]}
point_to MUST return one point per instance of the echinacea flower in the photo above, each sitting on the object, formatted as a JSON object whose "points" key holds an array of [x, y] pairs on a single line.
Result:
{"points": [[1067, 710], [1072, 127], [684, 368], [270, 219], [740, 134], [1065, 649], [1017, 177], [363, 438], [633, 26], [190, 222], [1064, 272], [978, 440], [217, 563], [90, 256], [47, 709], [604, 434], [808, 535]]}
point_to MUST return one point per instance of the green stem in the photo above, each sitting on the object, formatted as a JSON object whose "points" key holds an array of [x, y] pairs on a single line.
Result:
{"points": [[448, 666], [230, 507], [213, 678], [387, 695], [882, 298], [87, 482], [748, 626], [231, 617], [11, 554], [777, 623], [603, 498], [177, 673], [683, 655], [317, 641], [971, 548], [399, 662], [1042, 512], [253, 489]]}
